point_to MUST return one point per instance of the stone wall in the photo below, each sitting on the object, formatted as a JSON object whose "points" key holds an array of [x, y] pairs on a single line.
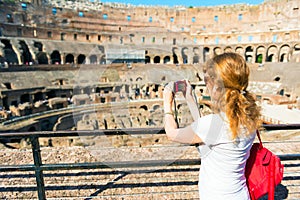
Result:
{"points": [[267, 32]]}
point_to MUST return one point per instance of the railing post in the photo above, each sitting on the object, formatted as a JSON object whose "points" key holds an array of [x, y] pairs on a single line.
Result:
{"points": [[36, 151]]}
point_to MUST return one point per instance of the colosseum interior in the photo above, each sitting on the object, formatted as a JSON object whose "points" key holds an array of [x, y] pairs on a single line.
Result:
{"points": [[59, 56], [86, 65]]}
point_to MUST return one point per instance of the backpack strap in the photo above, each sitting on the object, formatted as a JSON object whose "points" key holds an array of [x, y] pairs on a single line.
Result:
{"points": [[260, 142]]}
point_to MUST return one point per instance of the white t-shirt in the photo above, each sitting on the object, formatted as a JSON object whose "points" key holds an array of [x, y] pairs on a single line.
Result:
{"points": [[222, 159]]}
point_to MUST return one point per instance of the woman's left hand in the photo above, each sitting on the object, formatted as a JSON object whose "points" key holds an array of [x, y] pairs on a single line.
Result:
{"points": [[168, 96]]}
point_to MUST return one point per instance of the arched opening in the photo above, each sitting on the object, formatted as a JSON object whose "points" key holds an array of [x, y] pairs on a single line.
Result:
{"points": [[55, 57], [196, 57], [156, 59], [42, 58], [283, 58], [155, 107], [205, 54], [167, 59], [147, 59], [69, 58], [93, 59], [217, 51], [26, 57], [103, 60], [144, 107], [260, 54], [228, 49], [81, 59], [8, 53], [175, 55], [277, 78], [270, 58], [184, 54], [271, 54], [38, 97], [249, 54], [239, 50], [259, 58], [50, 94], [86, 90], [284, 53], [24, 98], [175, 59]]}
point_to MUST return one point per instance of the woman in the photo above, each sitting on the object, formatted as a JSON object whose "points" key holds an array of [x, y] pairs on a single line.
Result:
{"points": [[226, 136]]}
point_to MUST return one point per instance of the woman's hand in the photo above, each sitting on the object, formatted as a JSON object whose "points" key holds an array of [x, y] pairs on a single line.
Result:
{"points": [[168, 97], [188, 93]]}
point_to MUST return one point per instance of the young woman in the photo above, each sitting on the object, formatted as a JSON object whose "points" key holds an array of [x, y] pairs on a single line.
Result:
{"points": [[226, 136]]}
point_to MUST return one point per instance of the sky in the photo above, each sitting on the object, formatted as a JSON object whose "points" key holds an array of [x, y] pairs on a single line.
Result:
{"points": [[194, 3]]}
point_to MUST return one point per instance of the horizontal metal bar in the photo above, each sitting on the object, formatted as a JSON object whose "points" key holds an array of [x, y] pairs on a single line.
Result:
{"points": [[289, 157], [12, 168], [124, 164], [126, 131], [97, 165], [270, 127]]}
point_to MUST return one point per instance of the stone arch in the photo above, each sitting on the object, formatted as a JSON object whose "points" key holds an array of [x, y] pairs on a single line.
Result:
{"points": [[39, 96], [139, 79], [81, 59], [167, 59], [38, 45], [217, 51], [8, 52], [157, 59], [295, 57], [196, 57], [184, 54], [228, 49], [147, 59], [41, 56], [175, 55], [284, 53], [69, 58], [272, 54], [240, 51], [26, 57], [93, 59], [260, 52], [249, 54], [55, 57], [144, 107], [206, 52], [102, 60], [155, 107]]}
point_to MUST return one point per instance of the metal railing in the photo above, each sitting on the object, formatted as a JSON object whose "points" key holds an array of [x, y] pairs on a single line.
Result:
{"points": [[38, 167]]}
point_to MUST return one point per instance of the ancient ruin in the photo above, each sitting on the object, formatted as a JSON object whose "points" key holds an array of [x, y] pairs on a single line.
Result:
{"points": [[85, 65]]}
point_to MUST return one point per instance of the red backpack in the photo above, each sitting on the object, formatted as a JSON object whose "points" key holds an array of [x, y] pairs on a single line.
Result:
{"points": [[263, 171]]}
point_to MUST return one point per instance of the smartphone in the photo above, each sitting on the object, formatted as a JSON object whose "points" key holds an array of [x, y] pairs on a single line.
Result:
{"points": [[180, 86]]}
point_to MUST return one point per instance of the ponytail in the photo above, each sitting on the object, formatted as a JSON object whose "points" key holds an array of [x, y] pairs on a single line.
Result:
{"points": [[241, 110]]}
